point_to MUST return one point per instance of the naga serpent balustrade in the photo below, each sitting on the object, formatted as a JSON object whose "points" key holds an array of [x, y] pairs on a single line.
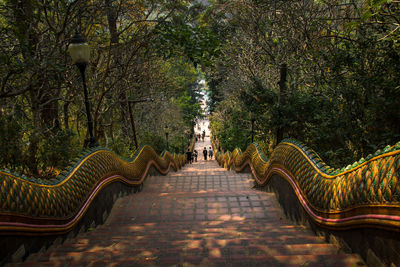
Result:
{"points": [[364, 194], [49, 207]]}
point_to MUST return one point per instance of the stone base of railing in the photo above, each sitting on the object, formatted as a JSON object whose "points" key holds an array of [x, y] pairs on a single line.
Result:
{"points": [[378, 247], [18, 248], [20, 235]]}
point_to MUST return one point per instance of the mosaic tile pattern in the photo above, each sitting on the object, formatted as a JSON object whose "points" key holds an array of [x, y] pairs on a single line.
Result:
{"points": [[366, 192], [200, 216], [24, 200]]}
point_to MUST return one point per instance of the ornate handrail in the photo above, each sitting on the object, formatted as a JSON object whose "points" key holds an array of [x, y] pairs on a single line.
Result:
{"points": [[47, 207], [364, 194]]}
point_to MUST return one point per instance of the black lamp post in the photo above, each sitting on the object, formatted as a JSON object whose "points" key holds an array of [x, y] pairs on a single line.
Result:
{"points": [[80, 54], [131, 116], [166, 130]]}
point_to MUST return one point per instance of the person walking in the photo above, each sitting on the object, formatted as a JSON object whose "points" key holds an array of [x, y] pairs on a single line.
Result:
{"points": [[203, 135], [189, 156], [205, 153], [195, 155], [210, 153]]}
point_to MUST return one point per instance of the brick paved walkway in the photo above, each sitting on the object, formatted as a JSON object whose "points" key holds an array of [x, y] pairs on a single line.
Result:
{"points": [[202, 215]]}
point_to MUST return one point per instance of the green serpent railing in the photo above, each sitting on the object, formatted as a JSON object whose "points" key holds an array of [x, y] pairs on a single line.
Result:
{"points": [[48, 207], [364, 194]]}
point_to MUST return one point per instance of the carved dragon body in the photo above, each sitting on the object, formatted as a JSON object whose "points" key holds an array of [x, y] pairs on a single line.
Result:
{"points": [[366, 193]]}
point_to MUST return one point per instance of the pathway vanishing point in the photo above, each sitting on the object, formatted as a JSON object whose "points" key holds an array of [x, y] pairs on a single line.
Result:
{"points": [[202, 215]]}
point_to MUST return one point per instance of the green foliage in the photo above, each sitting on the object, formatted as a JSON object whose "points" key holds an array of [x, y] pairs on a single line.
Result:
{"points": [[43, 119], [230, 127], [190, 108], [157, 142], [342, 89], [12, 148], [53, 155], [198, 43], [341, 95], [58, 150]]}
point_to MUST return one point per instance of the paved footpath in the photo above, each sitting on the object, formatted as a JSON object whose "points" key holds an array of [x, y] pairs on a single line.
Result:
{"points": [[201, 215]]}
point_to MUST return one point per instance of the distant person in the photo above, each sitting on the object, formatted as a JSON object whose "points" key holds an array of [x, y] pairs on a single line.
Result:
{"points": [[210, 153], [203, 135], [195, 155], [189, 156], [205, 153]]}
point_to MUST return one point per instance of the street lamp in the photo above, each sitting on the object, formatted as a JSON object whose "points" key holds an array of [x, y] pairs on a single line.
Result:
{"points": [[80, 54], [148, 99], [166, 130]]}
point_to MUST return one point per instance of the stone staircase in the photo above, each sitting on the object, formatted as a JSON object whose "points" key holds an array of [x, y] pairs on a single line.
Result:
{"points": [[202, 215]]}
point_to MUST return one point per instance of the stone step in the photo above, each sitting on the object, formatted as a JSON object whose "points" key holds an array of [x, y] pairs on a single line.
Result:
{"points": [[230, 225], [190, 245], [351, 260]]}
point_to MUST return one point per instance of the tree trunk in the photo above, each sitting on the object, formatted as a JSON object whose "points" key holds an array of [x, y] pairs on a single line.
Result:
{"points": [[31, 156], [112, 17], [66, 114], [23, 14], [281, 101], [112, 21], [49, 111]]}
